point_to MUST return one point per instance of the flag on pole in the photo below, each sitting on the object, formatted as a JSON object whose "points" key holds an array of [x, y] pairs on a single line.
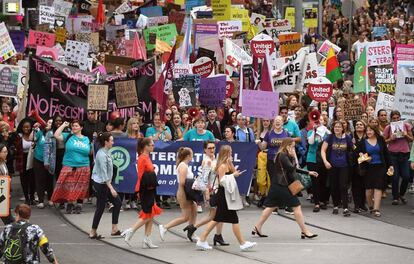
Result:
{"points": [[186, 45], [333, 71], [160, 88], [255, 73], [138, 50], [266, 82], [360, 74], [100, 17], [241, 84]]}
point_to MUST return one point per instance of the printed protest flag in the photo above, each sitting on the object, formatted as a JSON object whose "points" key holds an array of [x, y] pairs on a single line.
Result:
{"points": [[333, 71], [100, 17], [360, 75], [164, 84], [255, 73], [138, 50], [266, 83]]}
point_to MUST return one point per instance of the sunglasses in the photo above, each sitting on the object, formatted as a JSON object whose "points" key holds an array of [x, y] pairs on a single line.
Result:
{"points": [[168, 114]]}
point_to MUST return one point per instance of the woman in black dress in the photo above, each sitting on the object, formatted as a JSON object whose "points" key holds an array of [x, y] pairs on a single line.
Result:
{"points": [[227, 207], [279, 194]]}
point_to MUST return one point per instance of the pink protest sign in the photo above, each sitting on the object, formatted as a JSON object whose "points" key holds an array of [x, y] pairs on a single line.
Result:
{"points": [[260, 104], [38, 38], [403, 53]]}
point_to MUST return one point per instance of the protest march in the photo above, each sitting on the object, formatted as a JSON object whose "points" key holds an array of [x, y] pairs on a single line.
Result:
{"points": [[209, 105]]}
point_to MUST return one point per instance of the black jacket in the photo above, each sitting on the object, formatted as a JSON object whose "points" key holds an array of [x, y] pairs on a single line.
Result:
{"points": [[385, 157], [285, 170]]}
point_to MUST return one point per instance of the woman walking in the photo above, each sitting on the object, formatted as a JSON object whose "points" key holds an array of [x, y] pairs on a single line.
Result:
{"points": [[188, 207], [227, 199], [146, 189], [336, 151], [73, 183], [23, 143], [279, 194], [208, 166], [44, 180], [101, 179], [373, 171]]}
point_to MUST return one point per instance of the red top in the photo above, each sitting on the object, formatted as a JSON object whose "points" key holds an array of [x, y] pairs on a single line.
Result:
{"points": [[144, 164], [10, 119]]}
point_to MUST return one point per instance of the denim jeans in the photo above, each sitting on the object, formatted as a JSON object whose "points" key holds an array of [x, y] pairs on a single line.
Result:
{"points": [[401, 169]]}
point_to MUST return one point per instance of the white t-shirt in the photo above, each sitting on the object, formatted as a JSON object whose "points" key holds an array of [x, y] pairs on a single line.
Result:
{"points": [[190, 174], [358, 48]]}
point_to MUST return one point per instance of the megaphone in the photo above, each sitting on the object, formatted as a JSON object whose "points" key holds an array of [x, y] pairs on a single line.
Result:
{"points": [[314, 119], [36, 116]]}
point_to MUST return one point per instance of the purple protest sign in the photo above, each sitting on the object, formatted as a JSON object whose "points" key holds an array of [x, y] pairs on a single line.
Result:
{"points": [[17, 37], [213, 91], [260, 104]]}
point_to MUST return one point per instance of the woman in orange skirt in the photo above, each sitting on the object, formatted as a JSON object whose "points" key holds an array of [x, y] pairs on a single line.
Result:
{"points": [[146, 189]]}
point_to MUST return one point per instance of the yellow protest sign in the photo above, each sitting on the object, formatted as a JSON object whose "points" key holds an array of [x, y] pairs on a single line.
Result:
{"points": [[290, 15], [179, 2], [221, 9], [311, 17], [243, 16]]}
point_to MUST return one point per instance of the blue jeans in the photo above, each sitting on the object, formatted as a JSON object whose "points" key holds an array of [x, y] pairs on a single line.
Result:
{"points": [[401, 169]]}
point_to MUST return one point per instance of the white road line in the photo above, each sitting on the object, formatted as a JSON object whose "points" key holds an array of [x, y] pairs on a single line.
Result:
{"points": [[78, 244], [321, 244]]}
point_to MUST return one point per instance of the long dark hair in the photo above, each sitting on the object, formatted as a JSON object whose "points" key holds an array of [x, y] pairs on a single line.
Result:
{"points": [[103, 137], [19, 129], [2, 146], [182, 154], [142, 144]]}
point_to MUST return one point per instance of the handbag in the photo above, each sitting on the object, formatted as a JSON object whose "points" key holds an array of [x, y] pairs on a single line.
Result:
{"points": [[213, 195], [296, 186], [305, 179], [30, 157], [190, 193], [199, 184]]}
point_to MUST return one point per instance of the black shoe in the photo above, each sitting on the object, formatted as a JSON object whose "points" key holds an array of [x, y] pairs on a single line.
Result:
{"points": [[395, 202], [219, 239], [357, 210], [335, 211], [363, 208], [190, 231], [256, 232], [166, 205], [323, 206], [288, 211], [78, 209], [69, 208], [316, 209], [303, 236], [346, 212], [403, 200]]}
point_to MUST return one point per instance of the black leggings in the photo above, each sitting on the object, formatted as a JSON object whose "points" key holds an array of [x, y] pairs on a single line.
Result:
{"points": [[319, 190], [27, 180], [44, 180], [358, 189], [102, 195], [339, 185]]}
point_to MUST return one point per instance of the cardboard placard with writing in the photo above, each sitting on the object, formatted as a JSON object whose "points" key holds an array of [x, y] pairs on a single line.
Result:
{"points": [[44, 27], [60, 34], [9, 79], [352, 109], [213, 91], [289, 43], [185, 89], [382, 79], [98, 97], [126, 94], [37, 38], [47, 15], [260, 104], [112, 62]]}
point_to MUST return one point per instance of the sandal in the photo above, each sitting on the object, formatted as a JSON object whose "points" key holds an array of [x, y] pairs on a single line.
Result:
{"points": [[97, 237], [376, 213], [117, 233]]}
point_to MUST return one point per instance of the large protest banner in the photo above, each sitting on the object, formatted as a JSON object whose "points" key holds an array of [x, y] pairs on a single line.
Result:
{"points": [[56, 89], [164, 155], [384, 101], [260, 104], [124, 156], [379, 53], [404, 95]]}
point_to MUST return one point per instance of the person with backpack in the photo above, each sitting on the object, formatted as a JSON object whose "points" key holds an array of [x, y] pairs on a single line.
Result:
{"points": [[20, 241], [337, 154], [101, 179], [73, 183], [146, 188]]}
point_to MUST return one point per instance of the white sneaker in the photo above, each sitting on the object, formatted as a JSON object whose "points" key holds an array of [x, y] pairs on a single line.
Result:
{"points": [[147, 243], [127, 234], [411, 189], [199, 209], [195, 238], [41, 206], [203, 245], [133, 205], [22, 199], [245, 202], [127, 206], [162, 232], [247, 245]]}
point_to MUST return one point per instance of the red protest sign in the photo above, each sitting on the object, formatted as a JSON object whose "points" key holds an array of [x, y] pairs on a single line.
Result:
{"points": [[203, 66], [262, 44], [37, 38], [320, 89]]}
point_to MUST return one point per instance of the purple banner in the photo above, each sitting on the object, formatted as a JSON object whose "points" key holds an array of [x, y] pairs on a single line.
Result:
{"points": [[260, 104], [213, 91], [17, 37]]}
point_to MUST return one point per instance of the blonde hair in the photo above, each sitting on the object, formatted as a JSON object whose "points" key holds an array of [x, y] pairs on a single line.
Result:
{"points": [[223, 158], [182, 154], [130, 132], [283, 147]]}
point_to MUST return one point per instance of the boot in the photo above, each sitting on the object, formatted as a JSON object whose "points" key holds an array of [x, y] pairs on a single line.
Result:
{"points": [[219, 239], [147, 243], [190, 231]]}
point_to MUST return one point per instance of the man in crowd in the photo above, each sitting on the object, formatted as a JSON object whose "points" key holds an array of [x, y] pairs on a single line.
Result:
{"points": [[213, 124]]}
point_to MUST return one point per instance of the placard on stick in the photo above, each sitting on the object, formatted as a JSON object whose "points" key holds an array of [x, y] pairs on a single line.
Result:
{"points": [[4, 196], [352, 109], [98, 97], [126, 94]]}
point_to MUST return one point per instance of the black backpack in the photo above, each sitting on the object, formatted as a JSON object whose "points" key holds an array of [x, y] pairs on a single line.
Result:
{"points": [[14, 248]]}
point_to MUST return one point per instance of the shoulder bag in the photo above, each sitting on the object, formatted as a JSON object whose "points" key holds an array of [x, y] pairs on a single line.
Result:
{"points": [[213, 195], [296, 186]]}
